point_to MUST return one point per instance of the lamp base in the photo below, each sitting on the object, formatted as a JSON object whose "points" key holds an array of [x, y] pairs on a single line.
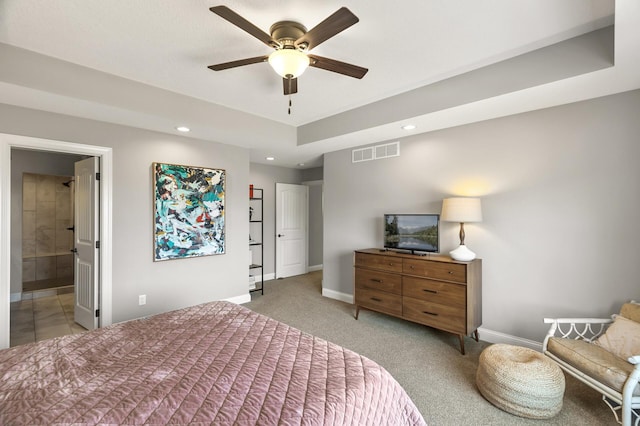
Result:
{"points": [[462, 253]]}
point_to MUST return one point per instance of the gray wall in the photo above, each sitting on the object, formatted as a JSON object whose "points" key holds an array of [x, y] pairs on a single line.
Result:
{"points": [[560, 189], [23, 161], [169, 284], [312, 174], [315, 223], [313, 178]]}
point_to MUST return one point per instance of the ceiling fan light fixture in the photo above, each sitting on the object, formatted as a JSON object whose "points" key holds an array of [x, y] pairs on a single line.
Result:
{"points": [[289, 63]]}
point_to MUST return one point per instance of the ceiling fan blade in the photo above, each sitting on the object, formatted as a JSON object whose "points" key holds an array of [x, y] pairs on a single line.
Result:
{"points": [[238, 63], [334, 24], [337, 66], [243, 24], [290, 85]]}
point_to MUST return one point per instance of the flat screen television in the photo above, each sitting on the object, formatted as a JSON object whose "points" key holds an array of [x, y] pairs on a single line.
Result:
{"points": [[413, 232]]}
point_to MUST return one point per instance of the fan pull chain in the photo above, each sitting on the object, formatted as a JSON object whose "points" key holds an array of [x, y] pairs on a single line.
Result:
{"points": [[290, 104]]}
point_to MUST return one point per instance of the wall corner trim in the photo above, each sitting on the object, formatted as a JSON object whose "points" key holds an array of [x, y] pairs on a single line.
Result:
{"points": [[332, 294]]}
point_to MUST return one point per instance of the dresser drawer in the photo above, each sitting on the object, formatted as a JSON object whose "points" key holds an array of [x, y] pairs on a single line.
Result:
{"points": [[376, 280], [438, 270], [448, 318], [435, 291], [379, 301], [385, 263]]}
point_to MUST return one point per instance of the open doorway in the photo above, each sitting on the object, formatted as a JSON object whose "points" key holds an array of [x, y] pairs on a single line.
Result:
{"points": [[42, 225], [11, 257]]}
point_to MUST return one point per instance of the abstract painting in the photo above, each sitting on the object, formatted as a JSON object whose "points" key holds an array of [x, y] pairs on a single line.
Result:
{"points": [[188, 211]]}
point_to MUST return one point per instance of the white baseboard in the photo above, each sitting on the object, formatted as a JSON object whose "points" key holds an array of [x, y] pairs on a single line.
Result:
{"points": [[246, 298], [484, 334], [239, 300], [315, 268], [332, 294], [492, 336], [267, 277]]}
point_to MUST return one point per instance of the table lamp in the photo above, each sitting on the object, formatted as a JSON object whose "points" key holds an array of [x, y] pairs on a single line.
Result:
{"points": [[461, 210]]}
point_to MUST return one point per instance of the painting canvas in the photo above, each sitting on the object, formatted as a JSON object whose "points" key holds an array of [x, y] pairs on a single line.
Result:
{"points": [[189, 215]]}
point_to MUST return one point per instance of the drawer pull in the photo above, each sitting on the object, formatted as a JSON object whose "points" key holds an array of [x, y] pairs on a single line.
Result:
{"points": [[450, 272], [430, 313], [429, 291], [375, 299], [376, 280]]}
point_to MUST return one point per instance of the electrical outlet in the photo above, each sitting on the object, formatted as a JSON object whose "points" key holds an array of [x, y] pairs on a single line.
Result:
{"points": [[142, 299]]}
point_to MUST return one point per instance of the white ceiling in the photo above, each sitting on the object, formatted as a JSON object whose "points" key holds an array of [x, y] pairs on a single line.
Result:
{"points": [[163, 47]]}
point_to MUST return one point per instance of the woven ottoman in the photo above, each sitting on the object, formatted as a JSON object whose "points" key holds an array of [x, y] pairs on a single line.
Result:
{"points": [[520, 381]]}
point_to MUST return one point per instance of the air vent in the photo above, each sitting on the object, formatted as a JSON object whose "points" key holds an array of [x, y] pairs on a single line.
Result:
{"points": [[363, 154], [377, 152], [388, 150]]}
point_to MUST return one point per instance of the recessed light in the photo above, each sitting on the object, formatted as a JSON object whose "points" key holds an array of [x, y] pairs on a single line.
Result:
{"points": [[409, 127], [270, 158], [183, 129]]}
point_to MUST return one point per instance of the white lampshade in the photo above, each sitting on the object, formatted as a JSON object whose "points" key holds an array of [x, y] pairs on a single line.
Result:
{"points": [[289, 62], [461, 210]]}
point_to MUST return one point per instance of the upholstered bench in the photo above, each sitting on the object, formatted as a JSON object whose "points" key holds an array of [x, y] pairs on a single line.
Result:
{"points": [[603, 353], [520, 381]]}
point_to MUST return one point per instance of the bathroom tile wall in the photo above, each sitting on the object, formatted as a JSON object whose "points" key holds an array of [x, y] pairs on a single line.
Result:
{"points": [[46, 241]]}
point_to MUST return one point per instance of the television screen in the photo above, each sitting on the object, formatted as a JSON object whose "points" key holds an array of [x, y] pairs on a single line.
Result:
{"points": [[414, 232]]}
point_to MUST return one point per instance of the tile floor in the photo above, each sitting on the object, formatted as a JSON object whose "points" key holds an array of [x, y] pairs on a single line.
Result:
{"points": [[43, 316]]}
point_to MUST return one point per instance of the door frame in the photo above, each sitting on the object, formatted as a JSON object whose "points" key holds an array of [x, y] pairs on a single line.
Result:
{"points": [[7, 142]]}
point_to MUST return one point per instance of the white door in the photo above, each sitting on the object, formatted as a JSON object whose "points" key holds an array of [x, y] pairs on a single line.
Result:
{"points": [[86, 266], [291, 229]]}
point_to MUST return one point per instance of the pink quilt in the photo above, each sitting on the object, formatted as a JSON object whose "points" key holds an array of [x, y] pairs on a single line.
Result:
{"points": [[216, 363]]}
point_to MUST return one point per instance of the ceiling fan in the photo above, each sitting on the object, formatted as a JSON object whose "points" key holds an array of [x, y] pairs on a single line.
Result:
{"points": [[291, 42]]}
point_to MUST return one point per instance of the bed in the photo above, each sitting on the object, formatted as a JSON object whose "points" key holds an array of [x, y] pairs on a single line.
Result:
{"points": [[215, 363]]}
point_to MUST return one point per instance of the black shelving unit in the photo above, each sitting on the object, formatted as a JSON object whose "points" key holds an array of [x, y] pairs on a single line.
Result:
{"points": [[256, 227]]}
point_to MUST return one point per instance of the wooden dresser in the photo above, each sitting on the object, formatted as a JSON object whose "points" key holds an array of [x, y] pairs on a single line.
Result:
{"points": [[433, 290]]}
